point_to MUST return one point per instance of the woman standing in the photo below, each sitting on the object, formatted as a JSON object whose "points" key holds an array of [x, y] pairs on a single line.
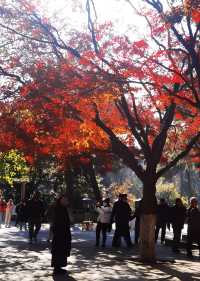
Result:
{"points": [[103, 224], [9, 211], [61, 243]]}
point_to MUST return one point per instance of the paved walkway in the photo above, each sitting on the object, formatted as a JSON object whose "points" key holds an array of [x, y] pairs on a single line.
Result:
{"points": [[20, 261]]}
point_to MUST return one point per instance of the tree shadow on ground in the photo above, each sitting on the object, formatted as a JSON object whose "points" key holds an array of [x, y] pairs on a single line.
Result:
{"points": [[108, 264], [20, 261], [63, 278]]}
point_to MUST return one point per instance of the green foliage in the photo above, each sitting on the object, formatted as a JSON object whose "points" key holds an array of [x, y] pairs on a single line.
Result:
{"points": [[169, 192], [46, 172], [13, 167]]}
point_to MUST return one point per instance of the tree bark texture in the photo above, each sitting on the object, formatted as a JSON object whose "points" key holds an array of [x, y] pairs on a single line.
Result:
{"points": [[148, 222], [94, 183], [147, 238], [69, 185]]}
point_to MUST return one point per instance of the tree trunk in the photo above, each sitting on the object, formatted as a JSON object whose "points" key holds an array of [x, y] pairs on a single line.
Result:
{"points": [[147, 237], [94, 183], [189, 181], [148, 222], [69, 185]]}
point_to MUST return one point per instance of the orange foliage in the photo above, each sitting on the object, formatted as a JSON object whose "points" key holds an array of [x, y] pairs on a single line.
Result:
{"points": [[56, 108]]}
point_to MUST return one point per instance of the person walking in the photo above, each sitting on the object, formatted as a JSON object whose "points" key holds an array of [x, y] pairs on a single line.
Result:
{"points": [[61, 243], [177, 218], [21, 214], [1, 210], [35, 212], [98, 226], [121, 214], [162, 218], [137, 215], [193, 233], [103, 224], [9, 211], [49, 216]]}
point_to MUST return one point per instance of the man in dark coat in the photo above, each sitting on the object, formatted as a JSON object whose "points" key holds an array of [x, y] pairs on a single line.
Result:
{"points": [[21, 211], [35, 212], [121, 214], [162, 217], [193, 234], [61, 243], [137, 215], [177, 218]]}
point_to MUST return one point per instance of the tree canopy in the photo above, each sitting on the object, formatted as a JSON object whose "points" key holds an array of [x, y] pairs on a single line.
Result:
{"points": [[75, 94]]}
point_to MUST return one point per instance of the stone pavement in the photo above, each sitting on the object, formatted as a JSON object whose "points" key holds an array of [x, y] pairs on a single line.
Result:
{"points": [[20, 261]]}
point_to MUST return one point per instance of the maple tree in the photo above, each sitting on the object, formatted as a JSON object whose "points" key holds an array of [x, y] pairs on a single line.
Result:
{"points": [[103, 92]]}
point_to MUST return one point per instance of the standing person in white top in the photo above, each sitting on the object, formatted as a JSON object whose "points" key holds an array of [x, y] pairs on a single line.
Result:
{"points": [[103, 222], [9, 211]]}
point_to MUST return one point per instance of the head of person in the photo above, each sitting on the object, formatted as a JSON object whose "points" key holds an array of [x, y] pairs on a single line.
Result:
{"points": [[178, 202], [62, 200], [120, 197], [10, 201], [106, 202], [193, 202], [36, 195], [124, 198], [162, 201], [98, 204]]}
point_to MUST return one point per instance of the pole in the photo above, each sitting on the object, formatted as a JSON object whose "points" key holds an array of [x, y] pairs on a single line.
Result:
{"points": [[23, 190]]}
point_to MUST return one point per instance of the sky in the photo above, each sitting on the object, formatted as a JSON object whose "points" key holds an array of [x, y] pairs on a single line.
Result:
{"points": [[118, 11]]}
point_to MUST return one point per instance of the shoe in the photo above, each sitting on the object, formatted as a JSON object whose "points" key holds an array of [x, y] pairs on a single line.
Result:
{"points": [[59, 271]]}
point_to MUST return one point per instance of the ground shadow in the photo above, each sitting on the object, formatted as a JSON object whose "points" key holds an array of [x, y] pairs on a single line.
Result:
{"points": [[63, 278], [88, 262]]}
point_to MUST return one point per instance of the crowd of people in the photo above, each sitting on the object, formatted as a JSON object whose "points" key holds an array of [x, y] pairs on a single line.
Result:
{"points": [[166, 216], [32, 213]]}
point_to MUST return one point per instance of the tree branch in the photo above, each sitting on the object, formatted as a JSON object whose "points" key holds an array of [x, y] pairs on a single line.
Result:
{"points": [[120, 149], [179, 156], [159, 142]]}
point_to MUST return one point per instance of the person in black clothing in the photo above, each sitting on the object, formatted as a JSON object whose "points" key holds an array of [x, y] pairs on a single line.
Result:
{"points": [[193, 234], [61, 243], [98, 227], [177, 218], [121, 214], [21, 211], [35, 213], [137, 215], [49, 217], [162, 217]]}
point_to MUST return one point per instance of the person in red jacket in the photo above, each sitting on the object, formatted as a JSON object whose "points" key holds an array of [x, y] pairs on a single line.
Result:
{"points": [[3, 206]]}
